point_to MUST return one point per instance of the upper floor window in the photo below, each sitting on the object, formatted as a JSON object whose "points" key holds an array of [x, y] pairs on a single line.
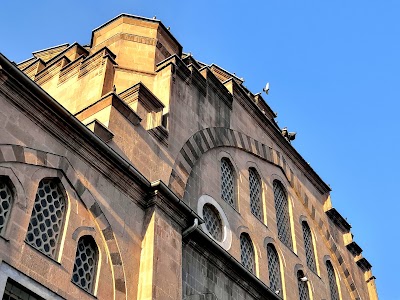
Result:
{"points": [[6, 200], [274, 271], [85, 263], [212, 221], [309, 247], [303, 286], [247, 252], [332, 281], [47, 217], [227, 182], [282, 214], [255, 193]]}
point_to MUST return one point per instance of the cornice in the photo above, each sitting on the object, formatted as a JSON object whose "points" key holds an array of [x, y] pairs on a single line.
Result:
{"points": [[139, 92], [338, 220], [354, 248], [215, 84]]}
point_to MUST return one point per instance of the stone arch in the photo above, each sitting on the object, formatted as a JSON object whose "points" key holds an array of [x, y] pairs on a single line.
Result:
{"points": [[26, 155], [213, 137]]}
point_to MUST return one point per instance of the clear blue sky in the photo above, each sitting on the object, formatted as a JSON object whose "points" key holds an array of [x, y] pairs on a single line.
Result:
{"points": [[333, 67]]}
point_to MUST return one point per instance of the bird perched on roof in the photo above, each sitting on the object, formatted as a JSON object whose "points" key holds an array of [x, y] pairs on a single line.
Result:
{"points": [[289, 136]]}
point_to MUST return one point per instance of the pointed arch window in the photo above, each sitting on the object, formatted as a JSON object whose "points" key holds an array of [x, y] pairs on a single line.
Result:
{"points": [[274, 271], [282, 214], [332, 281], [86, 261], [6, 201], [255, 193], [247, 252], [227, 182], [47, 217], [302, 286], [309, 247]]}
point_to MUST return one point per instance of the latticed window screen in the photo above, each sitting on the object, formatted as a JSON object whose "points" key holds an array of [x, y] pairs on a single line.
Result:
{"points": [[273, 269], [227, 182], [85, 263], [255, 193], [282, 214], [309, 247], [303, 288], [212, 221], [5, 203], [47, 217], [247, 252], [332, 281]]}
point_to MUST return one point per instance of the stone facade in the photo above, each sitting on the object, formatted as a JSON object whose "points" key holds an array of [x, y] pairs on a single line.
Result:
{"points": [[136, 139]]}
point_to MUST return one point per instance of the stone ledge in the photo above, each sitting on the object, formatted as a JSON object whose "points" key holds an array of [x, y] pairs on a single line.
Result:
{"points": [[364, 264], [354, 248], [338, 220], [100, 130], [107, 100]]}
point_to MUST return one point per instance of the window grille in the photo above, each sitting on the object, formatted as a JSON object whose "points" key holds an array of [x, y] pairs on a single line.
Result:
{"points": [[332, 281], [273, 269], [212, 221], [282, 214], [85, 263], [309, 247], [247, 252], [227, 183], [303, 287], [5, 203], [47, 217], [255, 193]]}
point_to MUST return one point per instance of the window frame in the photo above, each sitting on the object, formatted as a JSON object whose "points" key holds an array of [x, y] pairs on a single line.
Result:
{"points": [[253, 170], [285, 211], [96, 267], [228, 161], [59, 240]]}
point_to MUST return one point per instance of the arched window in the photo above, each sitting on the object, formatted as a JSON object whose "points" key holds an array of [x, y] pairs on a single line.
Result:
{"points": [[282, 214], [303, 286], [247, 252], [47, 217], [332, 281], [213, 222], [309, 247], [255, 193], [6, 200], [85, 263], [227, 182], [274, 271]]}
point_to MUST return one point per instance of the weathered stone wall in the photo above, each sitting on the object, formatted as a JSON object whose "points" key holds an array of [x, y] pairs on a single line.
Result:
{"points": [[203, 280]]}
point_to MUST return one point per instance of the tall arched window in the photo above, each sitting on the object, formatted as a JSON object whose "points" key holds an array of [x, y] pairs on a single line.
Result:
{"points": [[227, 182], [47, 217], [274, 270], [303, 286], [6, 200], [332, 281], [282, 214], [247, 252], [85, 263], [309, 247], [255, 193]]}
